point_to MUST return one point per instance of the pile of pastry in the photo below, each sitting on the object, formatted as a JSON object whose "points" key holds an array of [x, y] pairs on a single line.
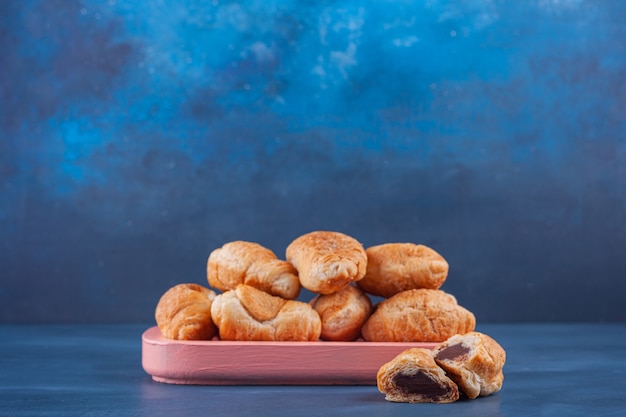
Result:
{"points": [[253, 295]]}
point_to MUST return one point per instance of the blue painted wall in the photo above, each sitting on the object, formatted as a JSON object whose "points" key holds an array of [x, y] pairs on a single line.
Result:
{"points": [[138, 136]]}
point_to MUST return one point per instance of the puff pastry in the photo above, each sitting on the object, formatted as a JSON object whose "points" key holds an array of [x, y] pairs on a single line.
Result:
{"points": [[474, 361], [343, 313], [397, 267], [420, 315], [184, 313], [250, 263], [247, 313], [414, 377], [327, 261]]}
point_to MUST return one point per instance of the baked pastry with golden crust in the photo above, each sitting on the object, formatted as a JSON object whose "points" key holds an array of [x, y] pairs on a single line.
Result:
{"points": [[474, 361], [249, 263], [414, 377], [327, 261], [420, 315], [397, 267], [343, 313], [184, 313], [247, 313]]}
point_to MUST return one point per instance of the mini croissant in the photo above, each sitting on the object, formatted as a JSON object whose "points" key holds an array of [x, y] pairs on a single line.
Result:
{"points": [[327, 261], [249, 263], [418, 316], [397, 267], [342, 313], [249, 314], [184, 313]]}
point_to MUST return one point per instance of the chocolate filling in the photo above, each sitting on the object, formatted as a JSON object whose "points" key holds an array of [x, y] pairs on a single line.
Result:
{"points": [[420, 383], [452, 352]]}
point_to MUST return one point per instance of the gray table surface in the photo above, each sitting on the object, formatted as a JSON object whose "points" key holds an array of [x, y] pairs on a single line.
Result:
{"points": [[95, 370]]}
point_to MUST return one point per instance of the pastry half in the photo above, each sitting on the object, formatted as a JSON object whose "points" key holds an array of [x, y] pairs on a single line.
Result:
{"points": [[414, 377], [474, 361]]}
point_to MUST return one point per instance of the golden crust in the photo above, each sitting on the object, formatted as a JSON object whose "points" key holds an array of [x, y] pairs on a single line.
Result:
{"points": [[250, 263], [414, 377], [397, 267], [419, 315], [184, 313], [343, 313], [474, 361], [327, 261], [247, 313]]}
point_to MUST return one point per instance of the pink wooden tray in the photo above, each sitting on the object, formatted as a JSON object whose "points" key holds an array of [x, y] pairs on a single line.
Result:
{"points": [[219, 362]]}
